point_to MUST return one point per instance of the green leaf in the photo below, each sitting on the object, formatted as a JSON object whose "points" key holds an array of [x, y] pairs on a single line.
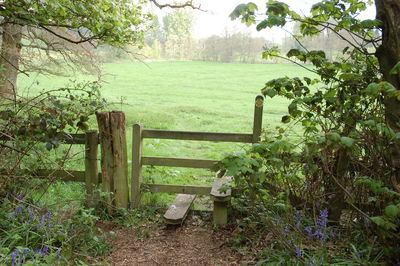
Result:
{"points": [[348, 142], [392, 211], [269, 92], [396, 69], [286, 119], [378, 220]]}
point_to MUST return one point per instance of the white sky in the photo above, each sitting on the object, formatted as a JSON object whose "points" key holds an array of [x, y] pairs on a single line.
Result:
{"points": [[216, 19]]}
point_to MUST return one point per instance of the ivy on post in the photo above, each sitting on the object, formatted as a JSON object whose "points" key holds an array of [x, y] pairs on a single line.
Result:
{"points": [[114, 159]]}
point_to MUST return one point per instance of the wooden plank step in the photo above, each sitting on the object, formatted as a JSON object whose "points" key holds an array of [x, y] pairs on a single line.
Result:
{"points": [[179, 209], [218, 183]]}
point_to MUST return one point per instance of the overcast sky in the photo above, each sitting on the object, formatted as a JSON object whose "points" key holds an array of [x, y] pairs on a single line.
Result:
{"points": [[216, 18]]}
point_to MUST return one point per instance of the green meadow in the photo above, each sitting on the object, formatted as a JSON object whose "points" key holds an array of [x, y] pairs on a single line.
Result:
{"points": [[192, 96]]}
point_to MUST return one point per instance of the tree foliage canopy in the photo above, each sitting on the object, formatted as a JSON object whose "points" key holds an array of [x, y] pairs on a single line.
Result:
{"points": [[116, 22]]}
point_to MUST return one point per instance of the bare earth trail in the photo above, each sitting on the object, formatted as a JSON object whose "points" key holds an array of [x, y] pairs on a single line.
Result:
{"points": [[193, 243]]}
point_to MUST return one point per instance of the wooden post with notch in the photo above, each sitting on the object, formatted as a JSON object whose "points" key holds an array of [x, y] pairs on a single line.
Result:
{"points": [[137, 149], [91, 166], [258, 117], [114, 159]]}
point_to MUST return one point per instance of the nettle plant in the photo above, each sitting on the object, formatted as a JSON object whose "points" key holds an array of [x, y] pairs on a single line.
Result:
{"points": [[342, 162]]}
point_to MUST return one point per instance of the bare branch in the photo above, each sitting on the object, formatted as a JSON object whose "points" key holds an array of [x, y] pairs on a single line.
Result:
{"points": [[182, 5]]}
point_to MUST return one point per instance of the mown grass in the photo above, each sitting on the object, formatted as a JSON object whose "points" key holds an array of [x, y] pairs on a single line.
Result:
{"points": [[195, 96]]}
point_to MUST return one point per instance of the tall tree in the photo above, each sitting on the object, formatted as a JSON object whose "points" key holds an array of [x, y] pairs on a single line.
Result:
{"points": [[117, 22], [178, 26], [388, 55]]}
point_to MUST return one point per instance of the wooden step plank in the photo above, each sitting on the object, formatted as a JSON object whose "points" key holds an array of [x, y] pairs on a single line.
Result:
{"points": [[218, 183], [179, 209]]}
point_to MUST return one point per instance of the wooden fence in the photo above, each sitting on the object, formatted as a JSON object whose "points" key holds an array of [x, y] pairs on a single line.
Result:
{"points": [[138, 160], [90, 176], [113, 177]]}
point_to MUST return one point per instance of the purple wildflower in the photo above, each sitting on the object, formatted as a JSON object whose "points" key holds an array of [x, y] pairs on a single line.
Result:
{"points": [[286, 230], [45, 249], [26, 251], [308, 229], [18, 211], [14, 255], [42, 222], [298, 251], [312, 262], [39, 251], [59, 253], [298, 219], [324, 217]]}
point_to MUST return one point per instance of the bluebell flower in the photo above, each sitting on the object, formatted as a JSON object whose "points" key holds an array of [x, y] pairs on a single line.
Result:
{"points": [[18, 211], [14, 255], [298, 219], [297, 250], [324, 217], [308, 229], [59, 253], [286, 230], [39, 251], [45, 249], [26, 251], [42, 222]]}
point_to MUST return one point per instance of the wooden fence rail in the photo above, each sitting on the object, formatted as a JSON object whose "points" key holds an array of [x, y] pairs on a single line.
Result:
{"points": [[201, 136]]}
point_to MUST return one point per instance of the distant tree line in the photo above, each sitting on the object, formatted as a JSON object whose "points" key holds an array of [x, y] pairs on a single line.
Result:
{"points": [[172, 39]]}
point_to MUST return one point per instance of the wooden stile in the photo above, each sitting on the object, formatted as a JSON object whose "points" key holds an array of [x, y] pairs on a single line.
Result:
{"points": [[137, 143]]}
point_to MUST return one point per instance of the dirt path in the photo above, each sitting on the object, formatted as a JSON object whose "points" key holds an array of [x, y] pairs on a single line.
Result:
{"points": [[194, 243]]}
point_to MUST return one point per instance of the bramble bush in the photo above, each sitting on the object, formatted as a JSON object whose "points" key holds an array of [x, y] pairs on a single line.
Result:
{"points": [[32, 129], [340, 170]]}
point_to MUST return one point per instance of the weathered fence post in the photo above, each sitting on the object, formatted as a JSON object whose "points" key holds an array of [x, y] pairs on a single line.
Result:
{"points": [[257, 127], [137, 142], [114, 158], [258, 117], [91, 165]]}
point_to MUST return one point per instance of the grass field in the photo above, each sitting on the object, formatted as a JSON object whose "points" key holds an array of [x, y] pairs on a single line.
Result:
{"points": [[195, 96]]}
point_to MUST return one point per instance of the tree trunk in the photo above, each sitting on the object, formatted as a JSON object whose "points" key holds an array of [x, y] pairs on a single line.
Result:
{"points": [[388, 55], [9, 61]]}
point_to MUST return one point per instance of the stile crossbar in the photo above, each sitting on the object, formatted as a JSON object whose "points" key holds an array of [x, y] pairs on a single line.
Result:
{"points": [[220, 200]]}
